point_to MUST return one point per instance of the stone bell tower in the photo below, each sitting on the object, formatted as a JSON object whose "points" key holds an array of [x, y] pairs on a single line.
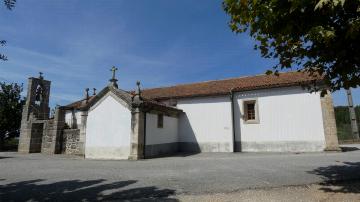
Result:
{"points": [[35, 114]]}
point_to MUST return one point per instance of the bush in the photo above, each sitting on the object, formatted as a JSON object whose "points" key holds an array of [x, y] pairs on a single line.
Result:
{"points": [[10, 144]]}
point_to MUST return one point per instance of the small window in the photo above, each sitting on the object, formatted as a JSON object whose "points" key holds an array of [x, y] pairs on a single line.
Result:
{"points": [[160, 120], [251, 111]]}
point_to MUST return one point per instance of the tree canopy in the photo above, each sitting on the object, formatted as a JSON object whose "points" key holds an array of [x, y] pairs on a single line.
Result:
{"points": [[318, 37], [9, 4], [10, 108]]}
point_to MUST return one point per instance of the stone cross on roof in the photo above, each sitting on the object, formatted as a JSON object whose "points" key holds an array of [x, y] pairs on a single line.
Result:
{"points": [[40, 75], [113, 80], [113, 69]]}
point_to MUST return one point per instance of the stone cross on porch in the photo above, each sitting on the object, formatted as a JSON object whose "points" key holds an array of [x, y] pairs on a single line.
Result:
{"points": [[113, 80]]}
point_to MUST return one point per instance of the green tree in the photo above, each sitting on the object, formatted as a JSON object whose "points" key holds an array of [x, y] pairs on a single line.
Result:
{"points": [[9, 4], [10, 108], [318, 37], [343, 121]]}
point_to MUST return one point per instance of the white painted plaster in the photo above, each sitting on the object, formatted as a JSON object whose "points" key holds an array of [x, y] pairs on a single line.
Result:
{"points": [[108, 130], [167, 134], [68, 117], [287, 116], [206, 121], [73, 116]]}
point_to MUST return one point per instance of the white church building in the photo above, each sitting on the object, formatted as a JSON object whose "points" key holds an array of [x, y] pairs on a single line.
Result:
{"points": [[263, 113]]}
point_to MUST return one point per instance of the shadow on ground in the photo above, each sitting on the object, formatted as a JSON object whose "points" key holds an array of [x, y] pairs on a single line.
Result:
{"points": [[340, 178], [75, 190], [348, 149]]}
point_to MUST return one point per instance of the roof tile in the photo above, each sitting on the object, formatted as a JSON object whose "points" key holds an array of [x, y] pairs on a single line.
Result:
{"points": [[220, 87]]}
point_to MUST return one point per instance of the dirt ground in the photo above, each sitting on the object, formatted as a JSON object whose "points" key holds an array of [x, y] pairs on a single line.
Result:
{"points": [[308, 193]]}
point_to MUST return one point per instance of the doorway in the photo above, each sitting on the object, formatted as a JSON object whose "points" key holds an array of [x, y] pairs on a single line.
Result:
{"points": [[36, 137]]}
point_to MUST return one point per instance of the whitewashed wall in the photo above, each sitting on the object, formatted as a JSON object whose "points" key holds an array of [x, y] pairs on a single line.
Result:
{"points": [[167, 134], [206, 124], [68, 117], [108, 130], [71, 116], [290, 120], [161, 141]]}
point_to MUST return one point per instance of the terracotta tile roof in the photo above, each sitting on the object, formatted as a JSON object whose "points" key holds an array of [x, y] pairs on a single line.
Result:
{"points": [[159, 105], [78, 104], [126, 96], [215, 87], [221, 87]]}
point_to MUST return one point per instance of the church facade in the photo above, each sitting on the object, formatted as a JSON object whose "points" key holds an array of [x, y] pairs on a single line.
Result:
{"points": [[263, 113]]}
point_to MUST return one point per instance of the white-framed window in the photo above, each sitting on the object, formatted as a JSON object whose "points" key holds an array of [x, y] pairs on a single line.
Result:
{"points": [[251, 112], [160, 120]]}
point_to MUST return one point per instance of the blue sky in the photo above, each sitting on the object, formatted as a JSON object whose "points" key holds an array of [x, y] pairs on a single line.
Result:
{"points": [[158, 42]]}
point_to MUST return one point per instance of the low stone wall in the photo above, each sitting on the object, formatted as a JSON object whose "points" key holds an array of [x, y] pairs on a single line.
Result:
{"points": [[71, 142]]}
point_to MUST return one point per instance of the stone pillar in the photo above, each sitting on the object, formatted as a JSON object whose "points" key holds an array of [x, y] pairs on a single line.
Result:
{"points": [[25, 132], [329, 123], [82, 138], [59, 122], [137, 135], [353, 121]]}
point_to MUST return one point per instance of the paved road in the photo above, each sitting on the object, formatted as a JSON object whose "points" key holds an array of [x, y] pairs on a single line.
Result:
{"points": [[42, 177]]}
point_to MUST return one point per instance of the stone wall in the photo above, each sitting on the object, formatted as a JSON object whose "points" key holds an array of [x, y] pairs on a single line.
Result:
{"points": [[52, 135], [71, 142]]}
